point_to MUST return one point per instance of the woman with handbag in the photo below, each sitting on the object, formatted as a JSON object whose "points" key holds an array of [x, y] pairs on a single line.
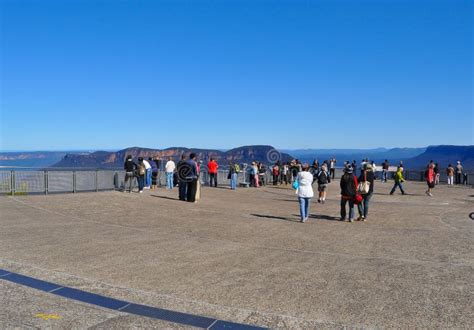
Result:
{"points": [[304, 190], [348, 192], [366, 189]]}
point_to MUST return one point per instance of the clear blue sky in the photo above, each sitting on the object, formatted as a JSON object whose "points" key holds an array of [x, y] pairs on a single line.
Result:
{"points": [[220, 74]]}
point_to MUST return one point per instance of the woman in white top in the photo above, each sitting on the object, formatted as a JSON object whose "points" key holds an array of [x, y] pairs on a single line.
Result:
{"points": [[305, 191]]}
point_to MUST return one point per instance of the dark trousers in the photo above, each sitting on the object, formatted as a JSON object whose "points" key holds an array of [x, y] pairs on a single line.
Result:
{"points": [[183, 188], [191, 193], [343, 208], [129, 177], [213, 178], [399, 185], [275, 179], [141, 182], [458, 178], [332, 172]]}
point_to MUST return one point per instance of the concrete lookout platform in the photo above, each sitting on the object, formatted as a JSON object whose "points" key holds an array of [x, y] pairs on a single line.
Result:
{"points": [[241, 256]]}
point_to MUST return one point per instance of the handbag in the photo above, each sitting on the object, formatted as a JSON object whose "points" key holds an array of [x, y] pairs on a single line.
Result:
{"points": [[358, 198], [364, 186], [296, 184]]}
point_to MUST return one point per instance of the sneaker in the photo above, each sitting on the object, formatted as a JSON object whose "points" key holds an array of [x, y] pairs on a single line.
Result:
{"points": [[342, 219], [319, 201], [351, 220], [362, 218], [430, 194], [140, 192]]}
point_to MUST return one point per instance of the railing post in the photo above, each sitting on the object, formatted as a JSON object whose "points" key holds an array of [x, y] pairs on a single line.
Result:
{"points": [[74, 181], [12, 183], [96, 180], [45, 182]]}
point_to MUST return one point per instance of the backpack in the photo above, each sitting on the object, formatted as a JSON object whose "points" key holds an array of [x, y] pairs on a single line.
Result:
{"points": [[236, 168], [322, 177], [141, 169], [276, 170]]}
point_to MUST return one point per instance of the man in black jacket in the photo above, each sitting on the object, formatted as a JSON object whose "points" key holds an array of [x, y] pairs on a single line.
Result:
{"points": [[192, 178], [130, 169], [183, 185]]}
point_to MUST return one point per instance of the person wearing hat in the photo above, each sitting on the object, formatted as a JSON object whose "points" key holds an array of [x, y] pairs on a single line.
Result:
{"points": [[348, 192], [367, 175]]}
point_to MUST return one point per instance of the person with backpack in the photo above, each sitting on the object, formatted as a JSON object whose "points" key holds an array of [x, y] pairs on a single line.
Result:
{"points": [[234, 170], [366, 189], [275, 173], [430, 178], [323, 178], [304, 190], [450, 174], [399, 179], [348, 186], [141, 172], [130, 169]]}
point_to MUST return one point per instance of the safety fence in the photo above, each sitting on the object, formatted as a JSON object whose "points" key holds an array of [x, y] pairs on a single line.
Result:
{"points": [[19, 182]]}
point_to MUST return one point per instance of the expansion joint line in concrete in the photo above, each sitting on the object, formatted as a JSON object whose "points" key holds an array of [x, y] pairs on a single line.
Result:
{"points": [[122, 306]]}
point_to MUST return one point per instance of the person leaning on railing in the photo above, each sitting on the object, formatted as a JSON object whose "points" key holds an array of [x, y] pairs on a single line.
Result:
{"points": [[130, 168]]}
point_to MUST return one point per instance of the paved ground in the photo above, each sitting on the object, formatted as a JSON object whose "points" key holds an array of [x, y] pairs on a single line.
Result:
{"points": [[244, 257]]}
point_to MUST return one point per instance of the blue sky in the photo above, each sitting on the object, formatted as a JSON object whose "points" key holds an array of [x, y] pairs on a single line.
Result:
{"points": [[220, 74]]}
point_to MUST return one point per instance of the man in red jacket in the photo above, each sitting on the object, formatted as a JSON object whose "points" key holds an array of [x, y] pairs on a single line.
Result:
{"points": [[212, 167]]}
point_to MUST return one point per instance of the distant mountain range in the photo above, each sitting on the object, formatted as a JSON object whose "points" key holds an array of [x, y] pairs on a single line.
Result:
{"points": [[103, 159], [445, 155], [378, 155], [413, 158], [31, 159]]}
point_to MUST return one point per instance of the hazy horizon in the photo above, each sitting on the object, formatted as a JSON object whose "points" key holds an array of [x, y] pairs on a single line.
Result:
{"points": [[222, 149]]}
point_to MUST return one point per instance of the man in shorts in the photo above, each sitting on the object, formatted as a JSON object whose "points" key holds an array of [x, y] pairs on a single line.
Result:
{"points": [[323, 178]]}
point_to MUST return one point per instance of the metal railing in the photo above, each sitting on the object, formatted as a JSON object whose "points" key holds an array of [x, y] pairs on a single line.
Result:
{"points": [[45, 181], [18, 182]]}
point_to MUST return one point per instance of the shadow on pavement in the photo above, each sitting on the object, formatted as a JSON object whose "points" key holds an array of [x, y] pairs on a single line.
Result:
{"points": [[273, 217], [321, 217], [165, 197]]}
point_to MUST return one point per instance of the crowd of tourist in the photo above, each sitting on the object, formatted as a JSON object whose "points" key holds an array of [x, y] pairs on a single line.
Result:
{"points": [[356, 190]]}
